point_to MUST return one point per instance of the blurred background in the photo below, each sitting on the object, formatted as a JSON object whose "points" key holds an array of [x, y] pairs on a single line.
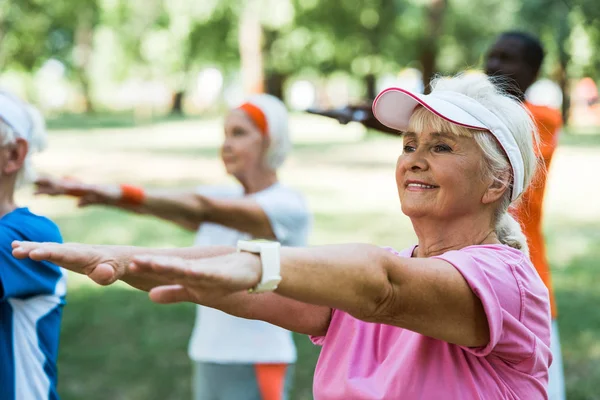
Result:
{"points": [[134, 91]]}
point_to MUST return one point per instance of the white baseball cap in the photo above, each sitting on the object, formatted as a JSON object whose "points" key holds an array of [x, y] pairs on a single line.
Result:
{"points": [[393, 107]]}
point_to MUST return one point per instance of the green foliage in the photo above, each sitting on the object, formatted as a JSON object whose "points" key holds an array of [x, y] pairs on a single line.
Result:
{"points": [[31, 31], [109, 41], [359, 38], [213, 35]]}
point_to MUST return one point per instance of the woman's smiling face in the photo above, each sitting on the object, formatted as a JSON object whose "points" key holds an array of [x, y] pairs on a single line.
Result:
{"points": [[440, 175]]}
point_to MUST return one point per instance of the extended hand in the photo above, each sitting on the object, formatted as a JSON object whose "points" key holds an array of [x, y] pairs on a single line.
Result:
{"points": [[56, 187], [198, 281], [103, 264], [88, 194], [346, 114]]}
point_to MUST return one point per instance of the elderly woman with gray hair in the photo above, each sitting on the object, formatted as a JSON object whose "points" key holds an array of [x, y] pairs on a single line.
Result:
{"points": [[32, 293], [460, 315], [233, 358]]}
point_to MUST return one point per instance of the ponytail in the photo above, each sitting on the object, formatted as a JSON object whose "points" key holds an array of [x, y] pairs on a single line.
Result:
{"points": [[509, 232]]}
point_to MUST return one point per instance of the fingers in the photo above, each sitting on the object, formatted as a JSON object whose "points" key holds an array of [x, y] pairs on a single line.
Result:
{"points": [[170, 294], [191, 273], [19, 250], [25, 249], [173, 269], [44, 186], [55, 187], [103, 274], [75, 257], [87, 200], [229, 273]]}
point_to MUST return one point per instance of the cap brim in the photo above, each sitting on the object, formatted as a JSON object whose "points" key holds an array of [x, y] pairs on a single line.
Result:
{"points": [[393, 107]]}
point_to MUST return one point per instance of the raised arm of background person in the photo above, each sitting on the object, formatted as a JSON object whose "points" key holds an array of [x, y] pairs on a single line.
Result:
{"points": [[373, 123], [347, 114], [106, 264]]}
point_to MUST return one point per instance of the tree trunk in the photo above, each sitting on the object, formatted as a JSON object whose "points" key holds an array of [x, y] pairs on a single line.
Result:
{"points": [[84, 40], [177, 107], [275, 84], [3, 30], [250, 43], [370, 83], [563, 61], [429, 48]]}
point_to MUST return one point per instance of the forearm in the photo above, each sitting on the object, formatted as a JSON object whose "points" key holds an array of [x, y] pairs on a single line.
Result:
{"points": [[373, 123], [287, 313], [352, 278], [147, 282], [244, 215], [183, 208], [189, 210]]}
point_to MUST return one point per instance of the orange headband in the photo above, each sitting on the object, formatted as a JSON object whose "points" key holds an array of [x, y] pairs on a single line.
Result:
{"points": [[256, 115]]}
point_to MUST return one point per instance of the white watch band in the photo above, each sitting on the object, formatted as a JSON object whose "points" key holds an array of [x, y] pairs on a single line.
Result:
{"points": [[270, 262]]}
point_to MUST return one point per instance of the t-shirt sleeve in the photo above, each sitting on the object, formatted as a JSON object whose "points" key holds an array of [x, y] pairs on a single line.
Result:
{"points": [[494, 283], [320, 340], [287, 213], [317, 340], [22, 278]]}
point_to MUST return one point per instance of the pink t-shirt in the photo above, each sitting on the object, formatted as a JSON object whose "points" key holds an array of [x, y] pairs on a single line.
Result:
{"points": [[361, 360]]}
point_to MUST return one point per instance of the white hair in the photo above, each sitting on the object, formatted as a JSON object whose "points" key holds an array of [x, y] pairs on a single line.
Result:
{"points": [[36, 139], [496, 164]]}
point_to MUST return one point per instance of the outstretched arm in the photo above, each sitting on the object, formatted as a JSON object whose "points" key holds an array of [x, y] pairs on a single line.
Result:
{"points": [[187, 209], [106, 264], [169, 205], [359, 113], [425, 295]]}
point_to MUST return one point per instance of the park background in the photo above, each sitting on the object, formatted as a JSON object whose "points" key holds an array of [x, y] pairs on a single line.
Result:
{"points": [[134, 91]]}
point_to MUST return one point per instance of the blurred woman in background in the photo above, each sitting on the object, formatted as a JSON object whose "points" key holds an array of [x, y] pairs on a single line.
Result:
{"points": [[233, 358]]}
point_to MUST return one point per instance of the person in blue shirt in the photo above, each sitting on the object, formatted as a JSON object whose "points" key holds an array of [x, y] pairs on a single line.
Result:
{"points": [[32, 293]]}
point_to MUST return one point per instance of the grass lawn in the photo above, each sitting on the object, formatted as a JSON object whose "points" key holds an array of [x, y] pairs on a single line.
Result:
{"points": [[116, 344]]}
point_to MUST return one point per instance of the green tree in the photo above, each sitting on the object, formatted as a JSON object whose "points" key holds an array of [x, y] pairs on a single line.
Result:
{"points": [[32, 31], [361, 38]]}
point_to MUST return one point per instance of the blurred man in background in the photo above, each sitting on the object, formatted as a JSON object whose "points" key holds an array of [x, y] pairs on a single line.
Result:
{"points": [[516, 58]]}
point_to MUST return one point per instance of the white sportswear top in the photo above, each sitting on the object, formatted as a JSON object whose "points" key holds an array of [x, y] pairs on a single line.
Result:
{"points": [[221, 338]]}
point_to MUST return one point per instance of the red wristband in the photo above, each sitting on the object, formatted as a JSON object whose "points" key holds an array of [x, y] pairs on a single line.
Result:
{"points": [[132, 195]]}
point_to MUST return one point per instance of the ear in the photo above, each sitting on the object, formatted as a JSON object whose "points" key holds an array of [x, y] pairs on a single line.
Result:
{"points": [[496, 189], [266, 142], [17, 152]]}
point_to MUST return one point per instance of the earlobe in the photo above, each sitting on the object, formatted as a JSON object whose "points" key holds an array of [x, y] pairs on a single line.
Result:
{"points": [[495, 191]]}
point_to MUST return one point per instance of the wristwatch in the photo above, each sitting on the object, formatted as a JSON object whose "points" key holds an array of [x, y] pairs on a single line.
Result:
{"points": [[271, 265]]}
